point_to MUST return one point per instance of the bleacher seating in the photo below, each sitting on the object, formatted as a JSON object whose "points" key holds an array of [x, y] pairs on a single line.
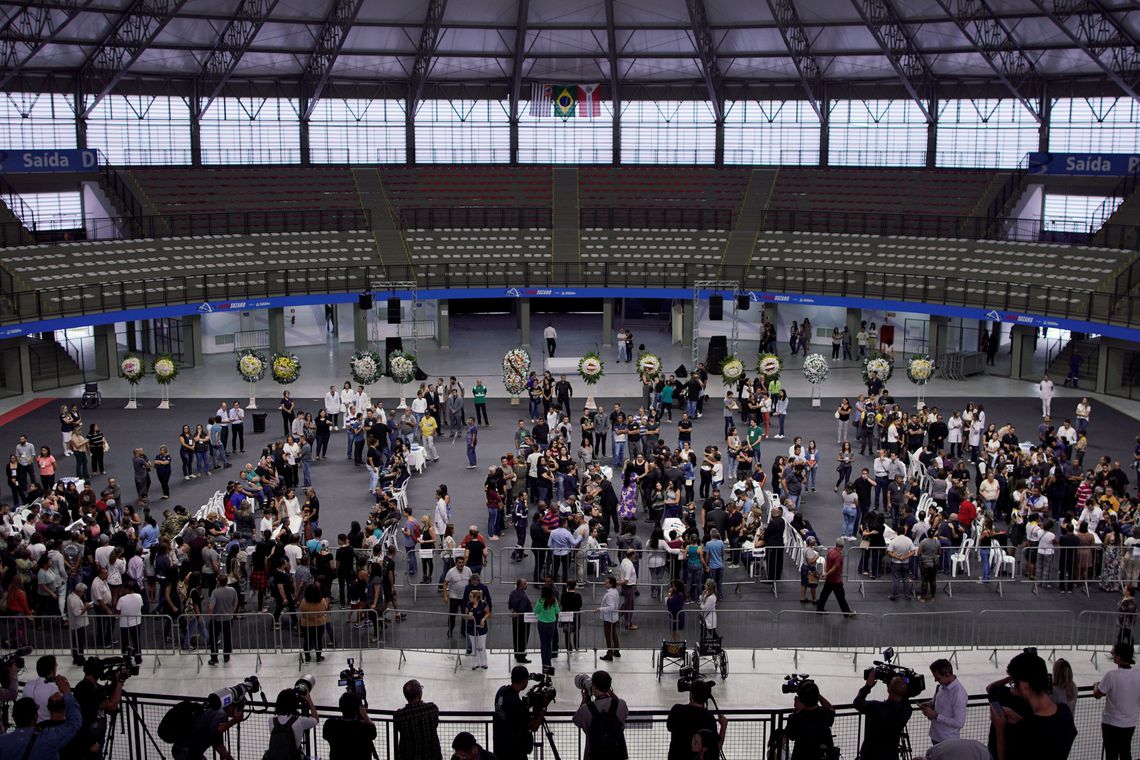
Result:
{"points": [[465, 186], [184, 190], [945, 192], [478, 245], [661, 186], [697, 246]]}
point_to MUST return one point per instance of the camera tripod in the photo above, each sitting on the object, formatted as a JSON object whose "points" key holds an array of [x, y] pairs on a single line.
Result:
{"points": [[113, 720], [904, 745], [549, 738]]}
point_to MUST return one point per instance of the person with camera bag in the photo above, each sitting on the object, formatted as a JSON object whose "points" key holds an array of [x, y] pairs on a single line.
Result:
{"points": [[287, 727], [95, 701], [687, 719], [810, 725], [602, 716], [886, 720], [350, 736], [512, 723]]}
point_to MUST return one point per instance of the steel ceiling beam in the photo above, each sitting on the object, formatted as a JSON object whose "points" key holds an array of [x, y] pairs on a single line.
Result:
{"points": [[28, 30], [612, 56], [1097, 32], [233, 43], [994, 41], [706, 52], [136, 27], [330, 41], [799, 48], [889, 30], [425, 52], [519, 56]]}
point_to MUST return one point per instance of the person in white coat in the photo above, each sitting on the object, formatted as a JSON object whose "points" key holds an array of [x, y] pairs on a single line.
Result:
{"points": [[1045, 391], [347, 398], [954, 427], [708, 608], [333, 407]]}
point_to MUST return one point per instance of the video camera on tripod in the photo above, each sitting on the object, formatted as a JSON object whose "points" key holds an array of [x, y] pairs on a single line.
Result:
{"points": [[539, 696], [352, 679], [16, 656], [886, 671], [117, 669]]}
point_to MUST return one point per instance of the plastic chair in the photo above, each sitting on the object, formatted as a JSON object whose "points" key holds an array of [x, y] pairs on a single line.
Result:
{"points": [[757, 566], [961, 557]]}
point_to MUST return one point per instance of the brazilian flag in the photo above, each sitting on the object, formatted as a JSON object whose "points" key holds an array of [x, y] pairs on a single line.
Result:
{"points": [[565, 98]]}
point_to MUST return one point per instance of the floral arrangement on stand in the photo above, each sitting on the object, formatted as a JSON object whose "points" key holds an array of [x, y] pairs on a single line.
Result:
{"points": [[251, 365], [516, 369], [879, 363], [768, 366], [285, 368], [365, 367], [648, 366], [920, 369], [165, 369], [816, 368], [132, 368], [591, 368], [401, 367], [731, 369]]}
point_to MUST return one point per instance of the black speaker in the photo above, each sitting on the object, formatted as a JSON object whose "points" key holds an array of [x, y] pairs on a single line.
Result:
{"points": [[420, 374], [364, 301], [718, 349], [681, 371], [393, 311], [392, 344], [716, 308], [743, 302]]}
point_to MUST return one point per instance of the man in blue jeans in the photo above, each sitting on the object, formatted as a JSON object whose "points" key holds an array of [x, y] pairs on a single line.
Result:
{"points": [[412, 533], [217, 444], [472, 440]]}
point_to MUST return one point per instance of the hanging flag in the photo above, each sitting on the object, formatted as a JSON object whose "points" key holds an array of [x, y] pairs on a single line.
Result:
{"points": [[565, 100]]}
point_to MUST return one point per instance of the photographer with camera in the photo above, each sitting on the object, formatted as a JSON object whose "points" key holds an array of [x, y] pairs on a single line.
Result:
{"points": [[10, 682], [1027, 724], [685, 720], [886, 720], [351, 735], [513, 721], [33, 742], [95, 701], [947, 711], [287, 727], [810, 725], [601, 716]]}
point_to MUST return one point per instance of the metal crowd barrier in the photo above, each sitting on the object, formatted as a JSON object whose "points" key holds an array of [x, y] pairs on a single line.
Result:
{"points": [[1097, 631], [156, 635], [809, 630], [960, 365], [345, 630], [249, 633], [1016, 629]]}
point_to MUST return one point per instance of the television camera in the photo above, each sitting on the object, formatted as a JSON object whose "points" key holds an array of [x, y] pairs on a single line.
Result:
{"points": [[237, 694], [885, 671], [539, 696], [793, 682], [16, 656], [352, 679]]}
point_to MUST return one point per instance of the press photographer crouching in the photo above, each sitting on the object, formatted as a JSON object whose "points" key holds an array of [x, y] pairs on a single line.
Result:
{"points": [[516, 718], [601, 716], [686, 720], [810, 725]]}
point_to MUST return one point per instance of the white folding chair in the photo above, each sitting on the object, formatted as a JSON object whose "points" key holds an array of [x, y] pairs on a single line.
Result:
{"points": [[961, 557]]}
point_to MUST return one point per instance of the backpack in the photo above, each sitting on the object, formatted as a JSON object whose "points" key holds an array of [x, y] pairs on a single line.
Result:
{"points": [[607, 738], [178, 725], [282, 743]]}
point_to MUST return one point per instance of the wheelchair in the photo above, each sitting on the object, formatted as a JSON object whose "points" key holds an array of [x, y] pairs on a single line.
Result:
{"points": [[710, 651], [91, 398], [675, 652]]}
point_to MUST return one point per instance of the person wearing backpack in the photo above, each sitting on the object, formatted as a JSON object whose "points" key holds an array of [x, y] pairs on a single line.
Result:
{"points": [[602, 716], [288, 727]]}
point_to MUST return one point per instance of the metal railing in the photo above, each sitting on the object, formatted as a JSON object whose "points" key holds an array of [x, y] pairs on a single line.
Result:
{"points": [[646, 732], [1094, 306]]}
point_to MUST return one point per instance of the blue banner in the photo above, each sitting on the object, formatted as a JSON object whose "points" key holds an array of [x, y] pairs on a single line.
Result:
{"points": [[48, 161], [1084, 164]]}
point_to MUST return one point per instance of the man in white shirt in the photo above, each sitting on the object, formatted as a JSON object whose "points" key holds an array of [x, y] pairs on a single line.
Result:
{"points": [[332, 407], [1121, 690], [627, 581], [1092, 514], [882, 472], [44, 686], [237, 427], [947, 711], [223, 415], [130, 607], [1046, 555], [899, 551], [363, 401], [551, 336], [293, 554], [1067, 433]]}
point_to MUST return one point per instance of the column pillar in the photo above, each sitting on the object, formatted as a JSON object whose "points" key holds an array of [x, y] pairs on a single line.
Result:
{"points": [[359, 328], [442, 324], [524, 321], [1103, 371], [932, 134], [771, 315], [937, 336], [106, 350], [276, 330], [1021, 339], [607, 322], [854, 318], [687, 324], [824, 131], [17, 376]]}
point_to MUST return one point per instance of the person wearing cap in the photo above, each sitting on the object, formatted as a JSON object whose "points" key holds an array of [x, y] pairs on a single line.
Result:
{"points": [[512, 723], [1120, 690], [466, 747], [1042, 729]]}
